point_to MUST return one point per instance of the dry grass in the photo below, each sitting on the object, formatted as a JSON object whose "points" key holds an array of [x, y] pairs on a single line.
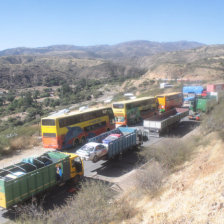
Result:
{"points": [[23, 142], [93, 204], [162, 161], [171, 153], [215, 120], [150, 178]]}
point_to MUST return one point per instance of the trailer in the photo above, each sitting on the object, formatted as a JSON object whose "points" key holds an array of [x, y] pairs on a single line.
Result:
{"points": [[32, 176], [159, 124], [130, 138]]}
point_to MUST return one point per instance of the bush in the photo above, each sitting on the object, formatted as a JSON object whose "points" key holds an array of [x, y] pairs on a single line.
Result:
{"points": [[92, 204], [171, 153], [149, 179], [215, 120]]}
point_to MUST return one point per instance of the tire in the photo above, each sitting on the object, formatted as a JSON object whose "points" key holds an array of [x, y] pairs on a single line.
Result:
{"points": [[75, 143], [76, 179], [83, 140], [95, 159]]}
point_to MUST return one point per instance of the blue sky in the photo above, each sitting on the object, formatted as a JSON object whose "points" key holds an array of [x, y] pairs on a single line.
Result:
{"points": [[37, 23]]}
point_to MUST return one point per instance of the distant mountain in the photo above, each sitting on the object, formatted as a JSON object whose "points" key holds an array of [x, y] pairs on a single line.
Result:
{"points": [[123, 50], [26, 67]]}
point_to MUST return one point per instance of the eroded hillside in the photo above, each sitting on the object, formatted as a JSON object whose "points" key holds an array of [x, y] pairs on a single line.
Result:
{"points": [[205, 63]]}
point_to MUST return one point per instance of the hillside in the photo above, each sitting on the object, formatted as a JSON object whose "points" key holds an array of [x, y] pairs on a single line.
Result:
{"points": [[193, 194], [28, 71], [24, 67], [205, 63]]}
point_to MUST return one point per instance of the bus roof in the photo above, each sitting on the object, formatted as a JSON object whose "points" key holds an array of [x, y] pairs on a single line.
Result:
{"points": [[134, 100], [54, 116], [168, 94]]}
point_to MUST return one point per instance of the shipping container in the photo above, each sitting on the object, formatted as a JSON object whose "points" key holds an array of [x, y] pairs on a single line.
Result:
{"points": [[205, 104], [197, 90], [215, 87]]}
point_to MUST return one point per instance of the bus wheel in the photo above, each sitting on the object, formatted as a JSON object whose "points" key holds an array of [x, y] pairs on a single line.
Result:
{"points": [[83, 140], [75, 142]]}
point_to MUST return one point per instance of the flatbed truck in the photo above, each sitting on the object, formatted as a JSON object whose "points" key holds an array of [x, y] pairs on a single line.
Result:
{"points": [[161, 123]]}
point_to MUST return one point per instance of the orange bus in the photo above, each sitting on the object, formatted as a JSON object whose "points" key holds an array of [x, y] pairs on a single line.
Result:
{"points": [[169, 101], [132, 111], [62, 131]]}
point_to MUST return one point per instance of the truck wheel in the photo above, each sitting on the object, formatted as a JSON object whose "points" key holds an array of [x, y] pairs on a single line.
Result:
{"points": [[95, 159], [76, 179]]}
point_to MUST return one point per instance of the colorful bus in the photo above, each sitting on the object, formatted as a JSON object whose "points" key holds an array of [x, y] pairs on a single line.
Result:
{"points": [[132, 111], [169, 101], [61, 131]]}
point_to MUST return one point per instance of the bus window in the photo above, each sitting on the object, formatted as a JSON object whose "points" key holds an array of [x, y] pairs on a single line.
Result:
{"points": [[118, 106], [48, 122], [49, 135]]}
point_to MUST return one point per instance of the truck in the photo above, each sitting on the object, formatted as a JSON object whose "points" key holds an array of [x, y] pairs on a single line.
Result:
{"points": [[190, 94], [130, 138], [21, 181], [206, 104], [161, 123], [215, 87]]}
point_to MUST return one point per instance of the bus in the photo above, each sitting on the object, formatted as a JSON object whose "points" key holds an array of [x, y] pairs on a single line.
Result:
{"points": [[132, 111], [169, 101], [62, 131]]}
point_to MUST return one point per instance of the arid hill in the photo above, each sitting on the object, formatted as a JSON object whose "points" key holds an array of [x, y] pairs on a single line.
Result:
{"points": [[204, 63], [25, 67]]}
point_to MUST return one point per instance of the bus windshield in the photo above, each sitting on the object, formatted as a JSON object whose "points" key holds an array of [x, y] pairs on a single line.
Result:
{"points": [[118, 106], [119, 118]]}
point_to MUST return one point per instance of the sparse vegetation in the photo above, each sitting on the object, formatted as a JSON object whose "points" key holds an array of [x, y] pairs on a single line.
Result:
{"points": [[94, 203], [163, 160], [214, 121], [150, 178]]}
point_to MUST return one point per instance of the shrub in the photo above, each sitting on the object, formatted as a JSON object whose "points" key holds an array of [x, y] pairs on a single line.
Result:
{"points": [[92, 204], [215, 120], [149, 179], [170, 153]]}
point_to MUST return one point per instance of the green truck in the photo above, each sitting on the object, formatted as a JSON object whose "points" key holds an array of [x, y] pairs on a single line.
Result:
{"points": [[31, 176], [205, 104]]}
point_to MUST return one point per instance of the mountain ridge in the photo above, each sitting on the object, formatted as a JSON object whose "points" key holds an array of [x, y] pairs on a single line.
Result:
{"points": [[126, 49]]}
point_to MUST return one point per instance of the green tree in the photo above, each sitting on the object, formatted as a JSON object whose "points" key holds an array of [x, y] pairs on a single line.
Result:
{"points": [[36, 94]]}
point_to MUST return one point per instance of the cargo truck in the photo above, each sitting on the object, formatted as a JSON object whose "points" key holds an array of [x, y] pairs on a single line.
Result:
{"points": [[190, 94], [206, 104], [32, 176], [130, 138], [159, 124]]}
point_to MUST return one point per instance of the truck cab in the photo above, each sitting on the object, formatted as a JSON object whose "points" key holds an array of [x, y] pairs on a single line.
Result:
{"points": [[76, 166]]}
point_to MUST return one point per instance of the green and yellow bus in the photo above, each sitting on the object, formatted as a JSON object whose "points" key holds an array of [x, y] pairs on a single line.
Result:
{"points": [[61, 131], [132, 111]]}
